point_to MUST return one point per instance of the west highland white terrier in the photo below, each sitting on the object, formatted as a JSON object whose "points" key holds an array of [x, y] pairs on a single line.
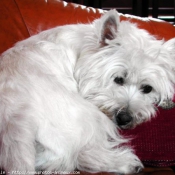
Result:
{"points": [[65, 92]]}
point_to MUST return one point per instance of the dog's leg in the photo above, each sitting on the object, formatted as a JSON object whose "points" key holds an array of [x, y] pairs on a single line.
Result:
{"points": [[100, 159], [82, 137], [106, 151], [17, 147], [59, 134], [56, 161]]}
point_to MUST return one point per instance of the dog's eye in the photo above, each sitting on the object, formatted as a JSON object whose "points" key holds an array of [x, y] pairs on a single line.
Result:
{"points": [[146, 89], [119, 80]]}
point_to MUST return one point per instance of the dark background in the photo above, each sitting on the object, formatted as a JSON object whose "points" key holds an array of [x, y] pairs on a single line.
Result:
{"points": [[162, 9]]}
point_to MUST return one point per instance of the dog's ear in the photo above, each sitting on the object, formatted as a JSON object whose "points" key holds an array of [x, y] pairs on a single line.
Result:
{"points": [[170, 46], [108, 27], [169, 57]]}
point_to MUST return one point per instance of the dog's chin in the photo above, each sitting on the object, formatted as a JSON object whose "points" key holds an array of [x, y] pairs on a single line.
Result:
{"points": [[125, 127]]}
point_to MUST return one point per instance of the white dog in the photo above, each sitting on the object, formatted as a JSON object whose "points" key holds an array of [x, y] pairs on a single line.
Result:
{"points": [[58, 87]]}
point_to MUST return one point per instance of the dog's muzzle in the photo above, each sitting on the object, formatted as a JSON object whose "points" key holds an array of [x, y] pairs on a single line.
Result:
{"points": [[123, 119]]}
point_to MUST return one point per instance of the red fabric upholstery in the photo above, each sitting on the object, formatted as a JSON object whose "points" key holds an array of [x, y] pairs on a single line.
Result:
{"points": [[154, 141]]}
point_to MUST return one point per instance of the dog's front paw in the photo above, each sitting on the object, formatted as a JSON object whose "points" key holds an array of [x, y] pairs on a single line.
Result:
{"points": [[130, 165], [131, 169]]}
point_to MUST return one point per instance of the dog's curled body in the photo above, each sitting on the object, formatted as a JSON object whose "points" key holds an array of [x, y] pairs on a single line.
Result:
{"points": [[53, 87]]}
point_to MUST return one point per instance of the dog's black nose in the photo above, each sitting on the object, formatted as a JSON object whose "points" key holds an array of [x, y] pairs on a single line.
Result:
{"points": [[123, 118]]}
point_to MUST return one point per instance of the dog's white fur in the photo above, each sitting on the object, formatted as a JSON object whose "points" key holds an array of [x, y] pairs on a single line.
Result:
{"points": [[53, 87]]}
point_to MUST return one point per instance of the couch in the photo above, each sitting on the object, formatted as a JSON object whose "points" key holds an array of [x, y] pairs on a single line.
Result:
{"points": [[154, 141]]}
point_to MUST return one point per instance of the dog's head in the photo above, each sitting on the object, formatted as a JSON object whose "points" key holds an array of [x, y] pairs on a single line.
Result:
{"points": [[125, 71]]}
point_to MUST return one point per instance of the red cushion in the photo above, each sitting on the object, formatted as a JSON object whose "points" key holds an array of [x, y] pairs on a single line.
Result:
{"points": [[154, 141]]}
